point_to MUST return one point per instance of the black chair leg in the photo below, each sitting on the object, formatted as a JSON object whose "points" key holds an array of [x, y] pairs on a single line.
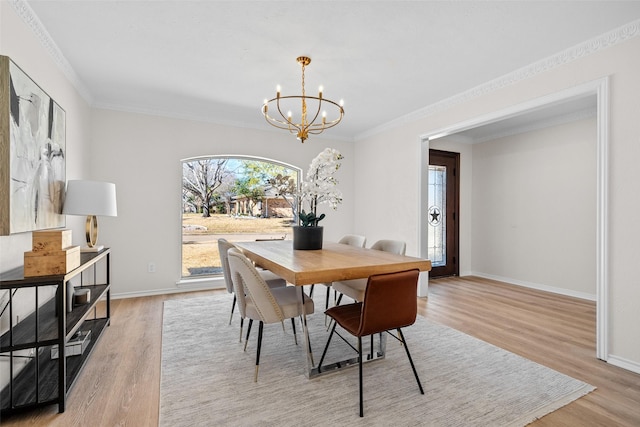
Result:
{"points": [[360, 374], [255, 377], [233, 307], [241, 326], [326, 302], [311, 291], [246, 341], [410, 360], [326, 347], [293, 325]]}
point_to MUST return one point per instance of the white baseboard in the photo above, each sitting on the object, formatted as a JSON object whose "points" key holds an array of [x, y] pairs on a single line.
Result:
{"points": [[552, 289], [624, 364], [181, 287]]}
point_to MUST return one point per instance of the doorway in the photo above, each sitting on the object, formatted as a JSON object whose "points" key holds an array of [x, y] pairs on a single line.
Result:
{"points": [[443, 212], [600, 89]]}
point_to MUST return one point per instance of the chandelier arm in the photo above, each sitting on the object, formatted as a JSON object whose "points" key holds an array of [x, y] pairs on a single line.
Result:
{"points": [[318, 128], [288, 122], [275, 122], [311, 124], [329, 124], [272, 120], [278, 124]]}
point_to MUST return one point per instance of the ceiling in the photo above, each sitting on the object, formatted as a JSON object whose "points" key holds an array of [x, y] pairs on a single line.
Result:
{"points": [[551, 114], [218, 60]]}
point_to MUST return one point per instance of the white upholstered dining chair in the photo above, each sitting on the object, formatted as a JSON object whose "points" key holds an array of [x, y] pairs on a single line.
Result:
{"points": [[272, 280], [355, 288], [347, 239], [257, 301]]}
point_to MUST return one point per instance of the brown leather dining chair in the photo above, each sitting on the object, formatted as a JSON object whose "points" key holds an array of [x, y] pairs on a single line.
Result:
{"points": [[389, 303]]}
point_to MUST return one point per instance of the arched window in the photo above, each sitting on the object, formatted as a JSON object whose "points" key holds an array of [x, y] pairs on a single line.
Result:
{"points": [[239, 198]]}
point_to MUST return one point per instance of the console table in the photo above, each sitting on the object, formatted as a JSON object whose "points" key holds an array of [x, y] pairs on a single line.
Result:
{"points": [[28, 347]]}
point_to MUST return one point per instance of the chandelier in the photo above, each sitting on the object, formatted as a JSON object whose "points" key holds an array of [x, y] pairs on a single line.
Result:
{"points": [[312, 121]]}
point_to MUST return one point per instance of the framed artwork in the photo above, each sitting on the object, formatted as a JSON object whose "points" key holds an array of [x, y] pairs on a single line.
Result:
{"points": [[32, 154]]}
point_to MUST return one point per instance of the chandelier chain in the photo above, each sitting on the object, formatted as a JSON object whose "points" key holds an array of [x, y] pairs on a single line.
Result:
{"points": [[304, 99]]}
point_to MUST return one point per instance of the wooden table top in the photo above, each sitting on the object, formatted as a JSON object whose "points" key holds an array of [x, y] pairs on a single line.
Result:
{"points": [[334, 262]]}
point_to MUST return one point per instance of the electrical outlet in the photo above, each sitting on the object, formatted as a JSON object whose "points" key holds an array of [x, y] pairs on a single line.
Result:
{"points": [[151, 268]]}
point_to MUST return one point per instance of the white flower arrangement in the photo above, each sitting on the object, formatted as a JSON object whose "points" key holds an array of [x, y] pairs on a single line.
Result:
{"points": [[320, 186]]}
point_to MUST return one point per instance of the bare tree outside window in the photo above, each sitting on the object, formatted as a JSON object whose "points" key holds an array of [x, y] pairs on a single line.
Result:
{"points": [[200, 180], [236, 198]]}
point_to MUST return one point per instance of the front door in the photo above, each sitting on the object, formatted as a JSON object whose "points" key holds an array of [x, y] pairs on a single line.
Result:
{"points": [[442, 214]]}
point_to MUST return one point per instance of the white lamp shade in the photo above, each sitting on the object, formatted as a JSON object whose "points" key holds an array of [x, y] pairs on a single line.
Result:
{"points": [[90, 198]]}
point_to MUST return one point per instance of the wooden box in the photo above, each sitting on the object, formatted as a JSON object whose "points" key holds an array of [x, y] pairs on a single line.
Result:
{"points": [[61, 262], [50, 241]]}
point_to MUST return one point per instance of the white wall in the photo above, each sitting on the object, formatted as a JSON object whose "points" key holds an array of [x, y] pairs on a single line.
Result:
{"points": [[534, 209], [20, 44], [387, 171], [619, 61], [142, 155]]}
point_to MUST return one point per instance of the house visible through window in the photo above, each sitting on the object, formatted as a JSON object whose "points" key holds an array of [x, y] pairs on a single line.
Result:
{"points": [[236, 198]]}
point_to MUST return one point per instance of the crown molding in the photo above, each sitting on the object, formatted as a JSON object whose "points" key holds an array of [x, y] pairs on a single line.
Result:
{"points": [[204, 119], [29, 17], [586, 48]]}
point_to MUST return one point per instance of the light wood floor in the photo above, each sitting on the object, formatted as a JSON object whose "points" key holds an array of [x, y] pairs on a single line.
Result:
{"points": [[120, 383]]}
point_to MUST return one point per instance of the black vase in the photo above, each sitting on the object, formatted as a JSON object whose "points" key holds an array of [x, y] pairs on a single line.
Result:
{"points": [[307, 238]]}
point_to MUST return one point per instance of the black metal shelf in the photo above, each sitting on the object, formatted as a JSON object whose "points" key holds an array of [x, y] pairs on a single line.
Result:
{"points": [[23, 335], [44, 380], [36, 386]]}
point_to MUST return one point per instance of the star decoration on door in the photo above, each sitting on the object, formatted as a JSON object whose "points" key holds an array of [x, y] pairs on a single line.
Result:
{"points": [[435, 216]]}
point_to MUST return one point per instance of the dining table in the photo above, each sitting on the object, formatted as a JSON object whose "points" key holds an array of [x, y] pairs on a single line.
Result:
{"points": [[334, 262]]}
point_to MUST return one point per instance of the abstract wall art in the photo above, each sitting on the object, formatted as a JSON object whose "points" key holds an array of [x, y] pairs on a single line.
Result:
{"points": [[32, 154]]}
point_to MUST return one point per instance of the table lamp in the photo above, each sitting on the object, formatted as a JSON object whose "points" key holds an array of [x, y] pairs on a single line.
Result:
{"points": [[91, 198]]}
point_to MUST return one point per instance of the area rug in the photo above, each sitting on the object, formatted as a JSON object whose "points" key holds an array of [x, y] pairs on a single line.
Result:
{"points": [[207, 378]]}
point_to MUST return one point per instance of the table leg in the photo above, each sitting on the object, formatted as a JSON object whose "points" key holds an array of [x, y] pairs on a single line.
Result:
{"points": [[311, 371], [374, 354], [308, 354]]}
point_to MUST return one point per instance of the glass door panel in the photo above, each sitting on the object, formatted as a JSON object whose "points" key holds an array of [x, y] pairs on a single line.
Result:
{"points": [[437, 215]]}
